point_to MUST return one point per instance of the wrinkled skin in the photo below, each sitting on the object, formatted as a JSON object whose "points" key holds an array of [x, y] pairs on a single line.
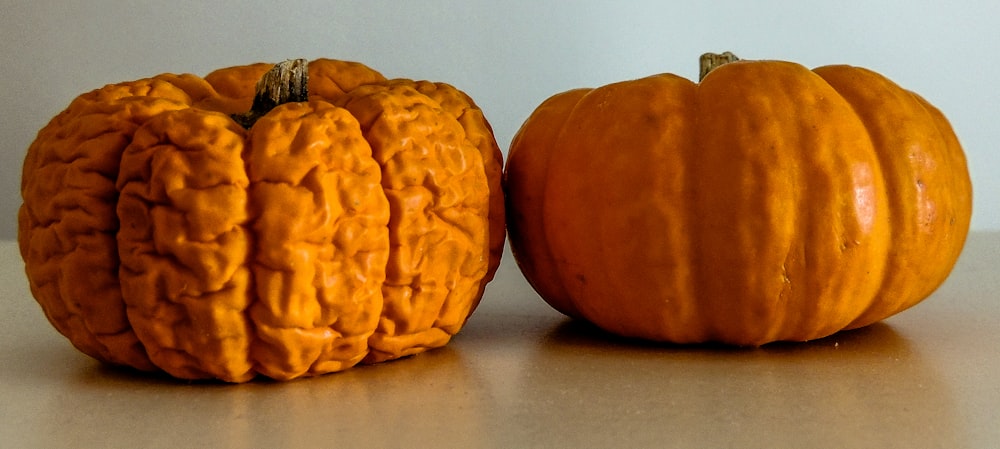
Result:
{"points": [[768, 202], [360, 226]]}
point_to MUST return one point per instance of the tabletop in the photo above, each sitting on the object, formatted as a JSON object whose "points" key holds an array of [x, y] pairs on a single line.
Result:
{"points": [[520, 375]]}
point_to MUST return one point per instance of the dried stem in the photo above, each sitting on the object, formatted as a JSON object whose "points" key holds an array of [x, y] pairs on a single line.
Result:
{"points": [[712, 61], [287, 82]]}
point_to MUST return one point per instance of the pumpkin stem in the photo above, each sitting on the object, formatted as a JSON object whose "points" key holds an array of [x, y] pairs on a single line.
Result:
{"points": [[712, 61], [287, 82]]}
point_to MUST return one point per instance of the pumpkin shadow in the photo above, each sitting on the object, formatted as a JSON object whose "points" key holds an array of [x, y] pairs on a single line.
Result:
{"points": [[575, 332], [110, 374], [867, 387], [305, 412]]}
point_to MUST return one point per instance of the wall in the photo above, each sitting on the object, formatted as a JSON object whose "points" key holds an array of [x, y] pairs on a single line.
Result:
{"points": [[508, 55]]}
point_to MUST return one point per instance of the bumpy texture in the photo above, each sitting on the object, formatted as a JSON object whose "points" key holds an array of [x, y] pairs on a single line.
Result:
{"points": [[769, 202], [360, 226]]}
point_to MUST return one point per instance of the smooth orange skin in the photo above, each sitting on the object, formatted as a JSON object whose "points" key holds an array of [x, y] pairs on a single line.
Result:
{"points": [[767, 203], [360, 226]]}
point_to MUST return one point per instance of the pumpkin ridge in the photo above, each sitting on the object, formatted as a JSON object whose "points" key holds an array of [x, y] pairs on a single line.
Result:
{"points": [[421, 280], [183, 243], [820, 120], [523, 180], [644, 120], [87, 138], [912, 148], [330, 79], [479, 133], [303, 197]]}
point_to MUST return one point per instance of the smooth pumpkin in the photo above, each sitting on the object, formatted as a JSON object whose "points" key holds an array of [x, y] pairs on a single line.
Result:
{"points": [[349, 219], [768, 202]]}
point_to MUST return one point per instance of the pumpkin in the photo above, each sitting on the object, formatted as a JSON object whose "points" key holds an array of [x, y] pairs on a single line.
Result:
{"points": [[768, 202], [345, 219]]}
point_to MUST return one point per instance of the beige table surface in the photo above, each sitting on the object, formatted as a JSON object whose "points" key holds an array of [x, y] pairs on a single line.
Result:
{"points": [[520, 375]]}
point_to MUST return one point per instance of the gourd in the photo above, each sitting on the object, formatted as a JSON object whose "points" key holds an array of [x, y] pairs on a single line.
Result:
{"points": [[345, 219], [768, 202]]}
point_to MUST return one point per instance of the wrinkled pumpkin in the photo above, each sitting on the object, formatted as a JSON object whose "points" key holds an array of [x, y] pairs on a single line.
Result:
{"points": [[768, 202], [346, 218]]}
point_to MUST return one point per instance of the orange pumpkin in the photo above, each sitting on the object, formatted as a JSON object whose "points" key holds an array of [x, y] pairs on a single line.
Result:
{"points": [[357, 222], [767, 202]]}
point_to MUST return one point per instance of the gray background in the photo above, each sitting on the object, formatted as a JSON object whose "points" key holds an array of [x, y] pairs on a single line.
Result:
{"points": [[508, 55]]}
